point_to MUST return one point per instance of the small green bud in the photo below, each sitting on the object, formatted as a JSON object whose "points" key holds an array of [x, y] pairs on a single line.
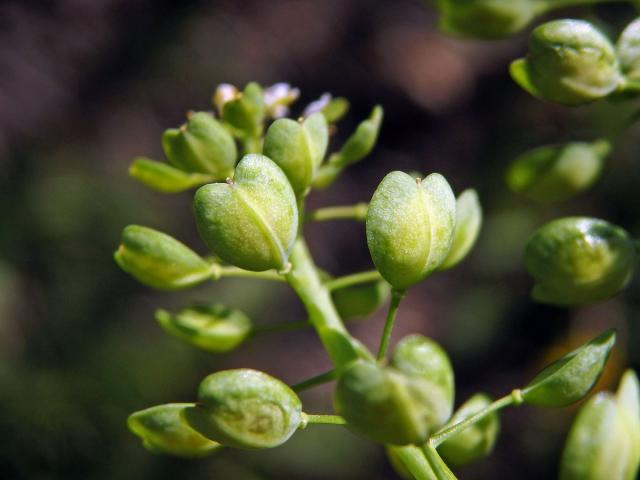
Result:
{"points": [[214, 328], [362, 141], [475, 441], [298, 148], [570, 378], [245, 408], [165, 178], [556, 173], [159, 260], [569, 62], [577, 260], [252, 220], [599, 445], [202, 145], [163, 430], [245, 112], [410, 227], [361, 300], [488, 19], [628, 50], [278, 97], [468, 223]]}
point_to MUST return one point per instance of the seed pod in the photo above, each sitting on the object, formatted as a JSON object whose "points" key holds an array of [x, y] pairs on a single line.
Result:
{"points": [[410, 227], [158, 260], [556, 173], [298, 148], [202, 145], [599, 445], [475, 441], [578, 260], [628, 398], [468, 223], [246, 111], [165, 178], [245, 408], [487, 19], [385, 405], [570, 378], [361, 300], [569, 62], [163, 430], [214, 328], [252, 221], [628, 50]]}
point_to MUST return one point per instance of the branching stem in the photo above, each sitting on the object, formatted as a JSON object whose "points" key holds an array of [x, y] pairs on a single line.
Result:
{"points": [[356, 212], [353, 279], [314, 381], [323, 420]]}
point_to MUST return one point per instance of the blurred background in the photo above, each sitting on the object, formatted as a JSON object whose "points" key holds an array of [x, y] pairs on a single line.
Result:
{"points": [[85, 85]]}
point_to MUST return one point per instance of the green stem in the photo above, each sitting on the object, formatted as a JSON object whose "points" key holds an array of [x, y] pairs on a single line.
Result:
{"points": [[353, 279], [314, 381], [356, 212], [414, 460], [322, 420], [441, 470], [514, 398], [396, 298], [230, 272]]}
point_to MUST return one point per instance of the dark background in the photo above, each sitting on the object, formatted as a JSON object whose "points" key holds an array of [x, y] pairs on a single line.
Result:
{"points": [[87, 85]]}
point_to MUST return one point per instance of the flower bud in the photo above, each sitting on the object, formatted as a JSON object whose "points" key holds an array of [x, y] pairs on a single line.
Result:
{"points": [[361, 300], [475, 441], [252, 220], [468, 223], [487, 19], [165, 178], [628, 50], [410, 227], [569, 62], [278, 97], [385, 405], [202, 145], [298, 148], [578, 260], [163, 430], [556, 173], [570, 378], [225, 92], [245, 408], [246, 111], [333, 109], [158, 260], [214, 328]]}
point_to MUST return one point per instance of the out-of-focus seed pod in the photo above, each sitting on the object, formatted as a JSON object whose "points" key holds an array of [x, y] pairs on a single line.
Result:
{"points": [[628, 398], [578, 260], [474, 442], [245, 408], [159, 260], [202, 145], [165, 178], [628, 50], [252, 220], [245, 112], [410, 227], [468, 224], [361, 300], [571, 377], [163, 430], [556, 173], [298, 148], [214, 328], [569, 62]]}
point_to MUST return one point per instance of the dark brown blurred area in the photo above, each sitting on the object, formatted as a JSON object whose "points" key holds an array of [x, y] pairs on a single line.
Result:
{"points": [[85, 85]]}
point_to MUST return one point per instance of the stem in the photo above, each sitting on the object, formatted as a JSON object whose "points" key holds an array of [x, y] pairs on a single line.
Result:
{"points": [[441, 470], [414, 460], [353, 279], [514, 398], [322, 420], [313, 381], [396, 297], [356, 212], [224, 271]]}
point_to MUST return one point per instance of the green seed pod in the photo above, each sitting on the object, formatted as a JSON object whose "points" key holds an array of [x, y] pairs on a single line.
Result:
{"points": [[245, 112], [578, 260], [245, 408], [487, 19], [158, 260], [556, 173], [410, 227], [163, 430], [165, 178], [202, 145], [569, 62], [628, 50], [474, 442], [298, 148], [468, 223], [570, 378], [420, 357], [214, 328], [628, 398], [251, 221], [385, 405], [599, 445], [361, 300]]}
